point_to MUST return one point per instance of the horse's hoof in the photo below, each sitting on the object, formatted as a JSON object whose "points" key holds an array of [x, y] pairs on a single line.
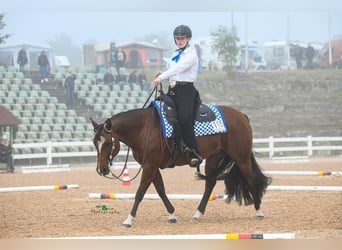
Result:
{"points": [[197, 177], [171, 221], [195, 219], [260, 217], [126, 226]]}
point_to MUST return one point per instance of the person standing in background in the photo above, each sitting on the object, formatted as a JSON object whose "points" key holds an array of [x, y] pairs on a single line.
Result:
{"points": [[309, 53], [44, 65], [120, 61], [70, 88], [22, 59], [6, 153]]}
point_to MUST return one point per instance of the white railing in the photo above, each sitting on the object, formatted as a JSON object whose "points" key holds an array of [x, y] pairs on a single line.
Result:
{"points": [[273, 147]]}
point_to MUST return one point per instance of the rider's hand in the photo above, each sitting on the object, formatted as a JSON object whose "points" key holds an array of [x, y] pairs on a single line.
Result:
{"points": [[158, 73], [156, 82]]}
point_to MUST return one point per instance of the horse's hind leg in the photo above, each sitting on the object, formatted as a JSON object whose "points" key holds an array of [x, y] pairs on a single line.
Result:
{"points": [[209, 186], [159, 185], [255, 184]]}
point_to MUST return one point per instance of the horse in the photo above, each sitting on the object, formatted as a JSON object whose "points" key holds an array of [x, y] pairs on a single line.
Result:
{"points": [[228, 157]]}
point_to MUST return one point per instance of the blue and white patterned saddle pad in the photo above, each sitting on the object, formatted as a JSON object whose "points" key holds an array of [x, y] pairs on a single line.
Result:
{"points": [[201, 128]]}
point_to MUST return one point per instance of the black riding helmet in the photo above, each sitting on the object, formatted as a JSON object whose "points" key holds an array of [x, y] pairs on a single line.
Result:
{"points": [[182, 31]]}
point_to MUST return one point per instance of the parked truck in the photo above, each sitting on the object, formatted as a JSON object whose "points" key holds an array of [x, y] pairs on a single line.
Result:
{"points": [[336, 54]]}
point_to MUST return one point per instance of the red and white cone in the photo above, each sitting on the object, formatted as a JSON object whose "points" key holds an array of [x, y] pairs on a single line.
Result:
{"points": [[126, 180]]}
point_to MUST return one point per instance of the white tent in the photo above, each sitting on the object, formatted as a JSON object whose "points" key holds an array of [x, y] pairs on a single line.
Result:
{"points": [[9, 54]]}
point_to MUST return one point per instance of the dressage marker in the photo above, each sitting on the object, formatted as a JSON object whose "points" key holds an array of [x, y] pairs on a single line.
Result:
{"points": [[45, 169], [253, 236], [37, 188]]}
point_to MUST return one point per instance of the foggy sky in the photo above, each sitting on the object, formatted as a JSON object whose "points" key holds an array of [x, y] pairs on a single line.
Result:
{"points": [[37, 21]]}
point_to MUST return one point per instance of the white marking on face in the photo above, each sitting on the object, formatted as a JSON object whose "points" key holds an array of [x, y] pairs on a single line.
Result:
{"points": [[101, 143]]}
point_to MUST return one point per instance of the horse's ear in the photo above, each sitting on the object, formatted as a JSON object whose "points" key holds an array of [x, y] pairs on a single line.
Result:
{"points": [[93, 122]]}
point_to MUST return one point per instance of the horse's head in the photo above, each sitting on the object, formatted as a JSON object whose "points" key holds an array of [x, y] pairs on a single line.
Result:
{"points": [[107, 145]]}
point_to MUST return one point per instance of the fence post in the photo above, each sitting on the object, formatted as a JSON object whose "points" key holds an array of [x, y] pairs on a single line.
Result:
{"points": [[271, 146], [49, 153], [310, 153]]}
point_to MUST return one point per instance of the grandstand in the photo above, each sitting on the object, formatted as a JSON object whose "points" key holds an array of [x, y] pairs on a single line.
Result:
{"points": [[42, 108]]}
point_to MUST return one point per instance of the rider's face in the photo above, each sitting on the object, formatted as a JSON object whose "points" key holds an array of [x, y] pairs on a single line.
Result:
{"points": [[182, 41]]}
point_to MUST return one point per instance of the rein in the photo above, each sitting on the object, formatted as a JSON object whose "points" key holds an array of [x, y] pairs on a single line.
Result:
{"points": [[118, 177]]}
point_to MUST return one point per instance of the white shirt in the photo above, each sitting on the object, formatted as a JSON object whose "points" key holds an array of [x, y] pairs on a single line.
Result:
{"points": [[185, 70]]}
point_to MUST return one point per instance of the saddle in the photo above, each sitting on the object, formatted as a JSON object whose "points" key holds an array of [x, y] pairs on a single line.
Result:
{"points": [[203, 114]]}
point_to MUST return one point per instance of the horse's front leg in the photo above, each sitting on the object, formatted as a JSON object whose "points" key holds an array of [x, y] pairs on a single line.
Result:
{"points": [[146, 180], [159, 185], [209, 186]]}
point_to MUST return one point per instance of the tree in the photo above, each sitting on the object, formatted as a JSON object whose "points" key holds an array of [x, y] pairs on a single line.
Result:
{"points": [[225, 43], [2, 25]]}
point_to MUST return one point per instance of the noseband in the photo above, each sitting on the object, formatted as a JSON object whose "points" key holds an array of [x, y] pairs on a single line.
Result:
{"points": [[106, 129]]}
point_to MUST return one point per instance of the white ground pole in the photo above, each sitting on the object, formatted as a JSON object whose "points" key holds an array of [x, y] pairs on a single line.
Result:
{"points": [[45, 168], [120, 196], [196, 236], [309, 173], [37, 188]]}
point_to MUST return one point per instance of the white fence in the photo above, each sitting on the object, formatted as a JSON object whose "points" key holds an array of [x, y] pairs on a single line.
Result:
{"points": [[270, 147]]}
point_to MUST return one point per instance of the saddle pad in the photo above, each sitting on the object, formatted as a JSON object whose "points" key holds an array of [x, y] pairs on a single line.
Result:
{"points": [[201, 128]]}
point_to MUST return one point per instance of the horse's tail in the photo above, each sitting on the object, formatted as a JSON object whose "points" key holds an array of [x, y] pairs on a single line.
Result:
{"points": [[237, 188]]}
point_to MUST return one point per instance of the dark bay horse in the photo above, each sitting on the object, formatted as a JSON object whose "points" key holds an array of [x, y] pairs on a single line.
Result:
{"points": [[140, 129]]}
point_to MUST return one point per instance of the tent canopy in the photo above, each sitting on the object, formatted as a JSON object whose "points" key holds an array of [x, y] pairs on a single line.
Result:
{"points": [[7, 118]]}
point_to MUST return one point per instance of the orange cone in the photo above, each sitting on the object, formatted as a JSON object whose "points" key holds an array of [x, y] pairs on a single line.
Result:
{"points": [[126, 180]]}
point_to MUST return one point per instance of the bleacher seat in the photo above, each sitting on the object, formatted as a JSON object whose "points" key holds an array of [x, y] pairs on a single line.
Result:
{"points": [[67, 135], [6, 81], [20, 136], [23, 128], [36, 120], [8, 75], [44, 136], [55, 135], [27, 81], [79, 127], [116, 88], [25, 87], [57, 127], [68, 127], [26, 113], [45, 127], [35, 86], [60, 119], [19, 75], [32, 136], [16, 81], [23, 94]]}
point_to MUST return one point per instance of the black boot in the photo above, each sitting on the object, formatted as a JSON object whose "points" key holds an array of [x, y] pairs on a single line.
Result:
{"points": [[196, 159]]}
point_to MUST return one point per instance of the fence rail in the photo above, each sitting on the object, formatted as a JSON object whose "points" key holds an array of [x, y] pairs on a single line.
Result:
{"points": [[268, 147]]}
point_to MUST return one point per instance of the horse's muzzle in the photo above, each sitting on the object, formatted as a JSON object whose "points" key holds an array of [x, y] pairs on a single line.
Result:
{"points": [[104, 170]]}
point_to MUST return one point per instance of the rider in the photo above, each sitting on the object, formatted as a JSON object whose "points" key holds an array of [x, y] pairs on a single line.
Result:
{"points": [[182, 75]]}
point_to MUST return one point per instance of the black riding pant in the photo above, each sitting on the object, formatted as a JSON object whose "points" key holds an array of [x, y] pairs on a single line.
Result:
{"points": [[184, 96], [8, 160]]}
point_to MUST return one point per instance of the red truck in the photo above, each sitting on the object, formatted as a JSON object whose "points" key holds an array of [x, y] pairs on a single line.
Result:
{"points": [[336, 54]]}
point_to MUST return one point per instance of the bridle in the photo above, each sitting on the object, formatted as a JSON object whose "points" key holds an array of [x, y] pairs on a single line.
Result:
{"points": [[112, 155], [112, 147]]}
